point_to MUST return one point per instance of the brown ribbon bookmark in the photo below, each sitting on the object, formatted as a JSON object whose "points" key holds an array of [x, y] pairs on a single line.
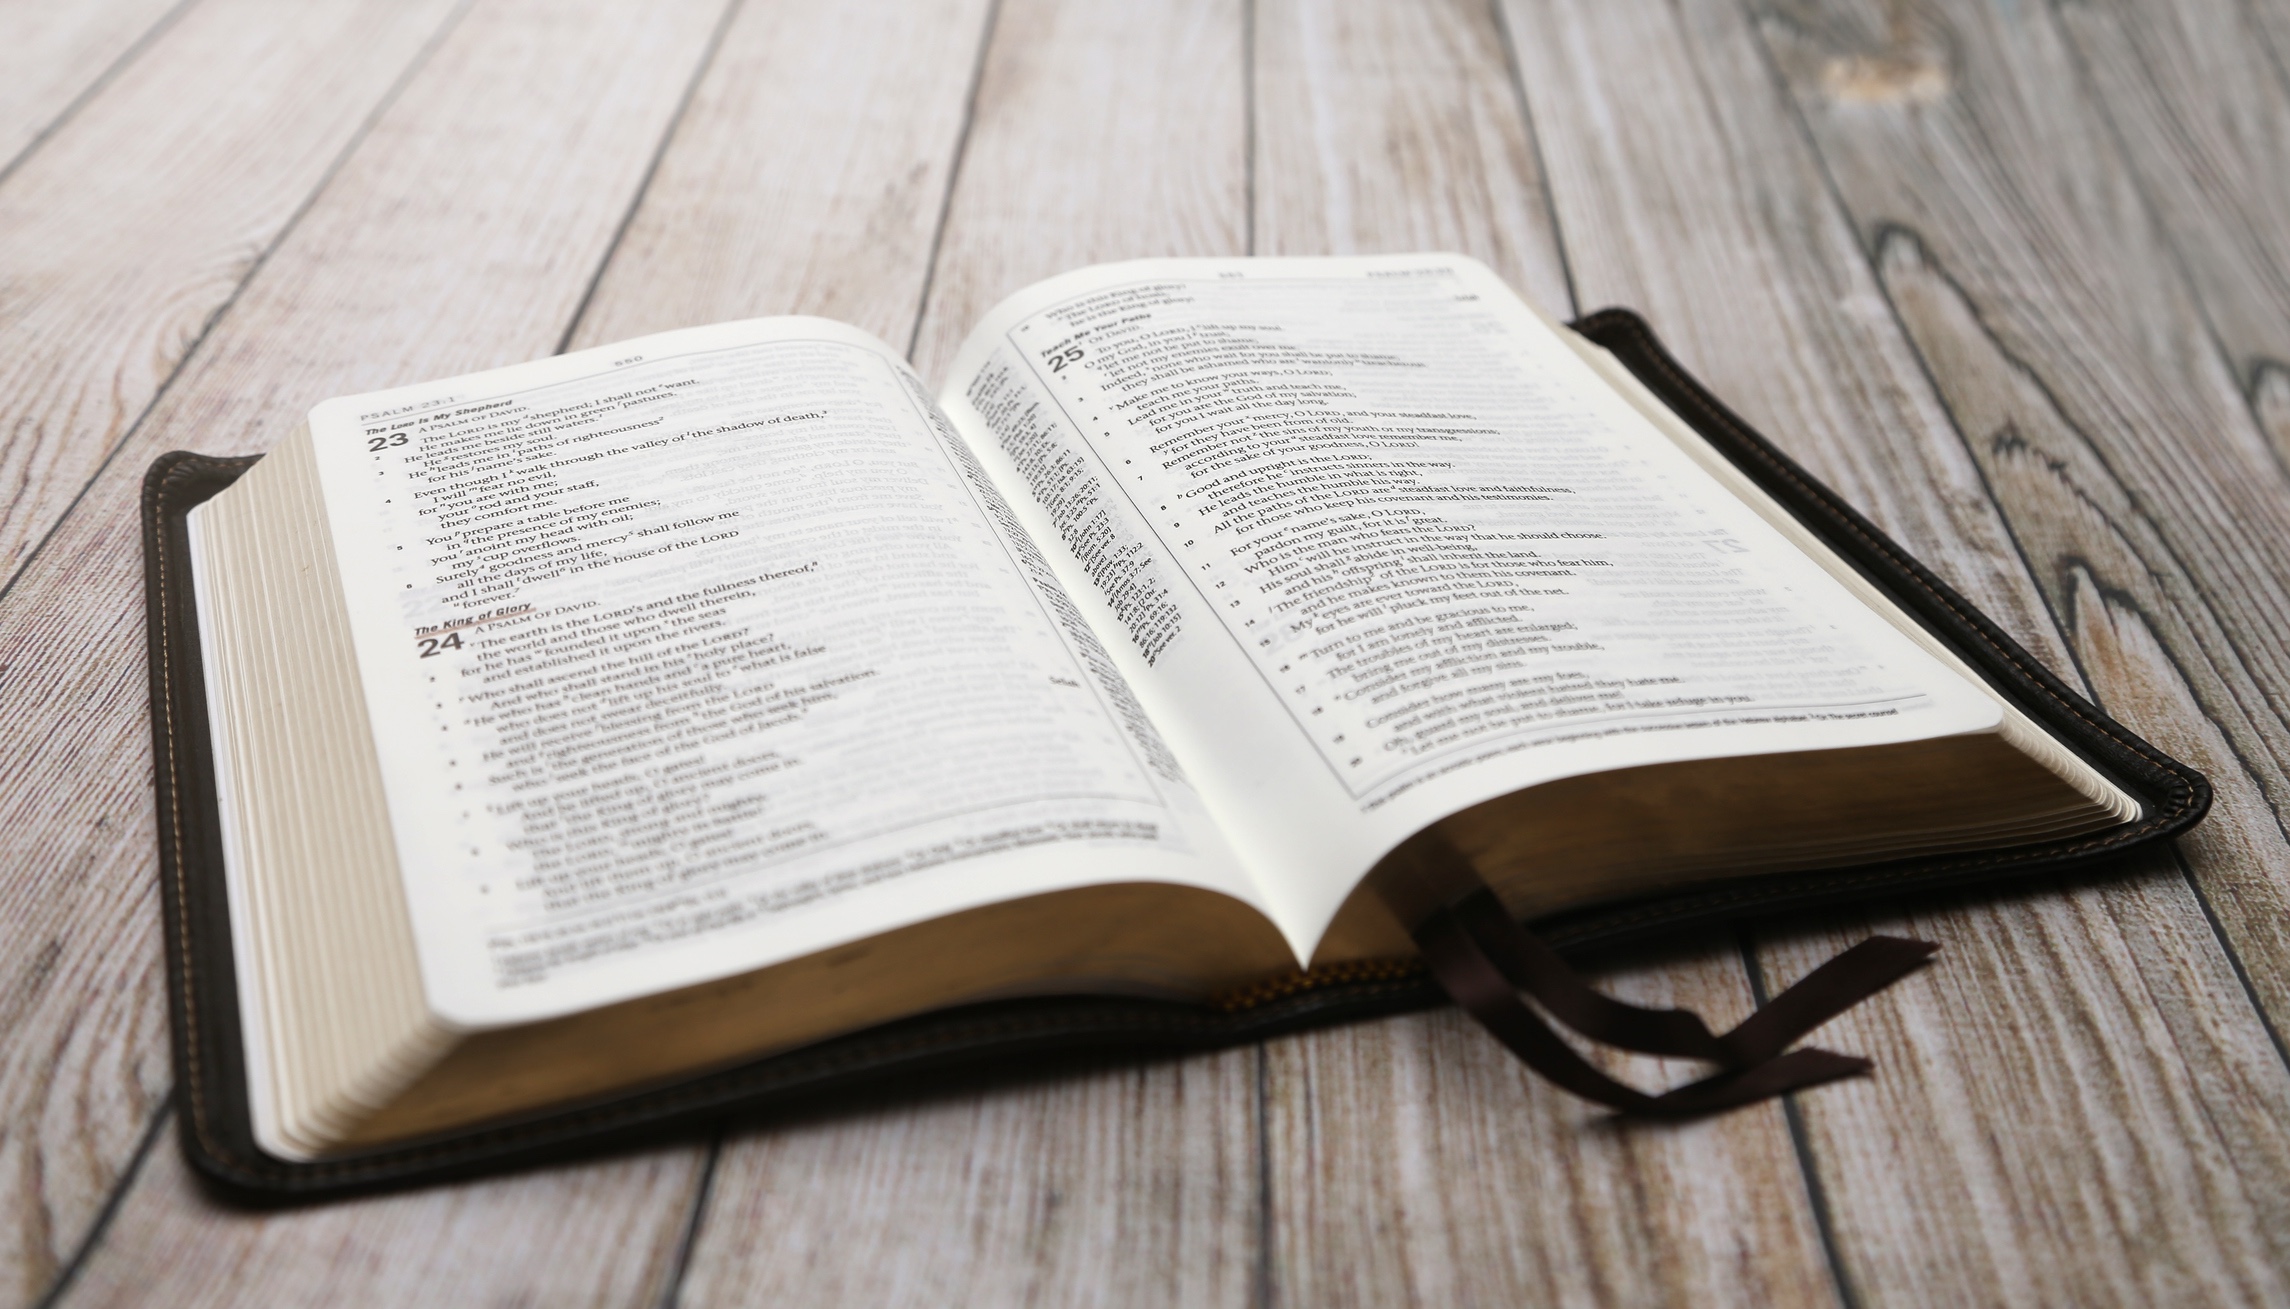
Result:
{"points": [[1484, 960]]}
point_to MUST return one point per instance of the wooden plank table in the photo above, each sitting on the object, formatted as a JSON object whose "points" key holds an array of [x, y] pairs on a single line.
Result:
{"points": [[2015, 278]]}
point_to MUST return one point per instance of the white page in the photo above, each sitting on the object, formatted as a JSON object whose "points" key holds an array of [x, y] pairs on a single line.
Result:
{"points": [[706, 651], [1383, 547]]}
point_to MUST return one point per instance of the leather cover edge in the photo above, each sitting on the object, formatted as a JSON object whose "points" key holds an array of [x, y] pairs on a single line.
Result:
{"points": [[215, 1127]]}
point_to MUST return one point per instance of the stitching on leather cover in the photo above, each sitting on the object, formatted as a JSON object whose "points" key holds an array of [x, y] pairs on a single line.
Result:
{"points": [[157, 492], [160, 496]]}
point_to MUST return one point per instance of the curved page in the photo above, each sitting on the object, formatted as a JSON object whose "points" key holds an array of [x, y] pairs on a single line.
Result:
{"points": [[713, 649], [1380, 545]]}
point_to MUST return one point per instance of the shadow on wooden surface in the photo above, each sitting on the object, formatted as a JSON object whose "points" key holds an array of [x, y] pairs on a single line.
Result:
{"points": [[2010, 279]]}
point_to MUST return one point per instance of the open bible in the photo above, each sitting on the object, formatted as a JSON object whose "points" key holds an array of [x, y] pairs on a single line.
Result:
{"points": [[551, 736]]}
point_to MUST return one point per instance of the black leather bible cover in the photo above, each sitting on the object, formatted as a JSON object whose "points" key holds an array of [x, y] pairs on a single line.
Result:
{"points": [[210, 1066]]}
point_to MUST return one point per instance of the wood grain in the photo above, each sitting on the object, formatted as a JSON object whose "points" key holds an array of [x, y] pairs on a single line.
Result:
{"points": [[1132, 1185], [808, 175], [2012, 278], [600, 1234], [114, 257], [2069, 312], [1415, 1161], [1388, 129], [1701, 208], [504, 170], [1099, 131], [127, 230], [1397, 128], [2198, 98], [1757, 277], [52, 56], [2073, 1108], [2200, 1220], [2015, 200], [1797, 277]]}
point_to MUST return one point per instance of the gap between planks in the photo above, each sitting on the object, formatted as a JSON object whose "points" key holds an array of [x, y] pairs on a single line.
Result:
{"points": [[602, 74]]}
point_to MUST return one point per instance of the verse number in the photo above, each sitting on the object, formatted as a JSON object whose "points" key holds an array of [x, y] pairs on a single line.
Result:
{"points": [[379, 443], [431, 646], [1060, 358]]}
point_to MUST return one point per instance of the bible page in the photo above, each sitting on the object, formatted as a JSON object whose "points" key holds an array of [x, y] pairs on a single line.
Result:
{"points": [[713, 649], [1374, 545]]}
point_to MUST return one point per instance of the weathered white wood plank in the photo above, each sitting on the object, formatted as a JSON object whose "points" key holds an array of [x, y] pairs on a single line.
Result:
{"points": [[462, 234], [2039, 282], [52, 55], [2198, 95], [110, 262], [1100, 131], [2162, 1102], [124, 233], [1132, 1185], [1704, 208], [1397, 128], [1685, 190], [1684, 193], [2109, 567], [2074, 1109], [2010, 188], [808, 175], [1393, 128], [1415, 1161], [604, 1233]]}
